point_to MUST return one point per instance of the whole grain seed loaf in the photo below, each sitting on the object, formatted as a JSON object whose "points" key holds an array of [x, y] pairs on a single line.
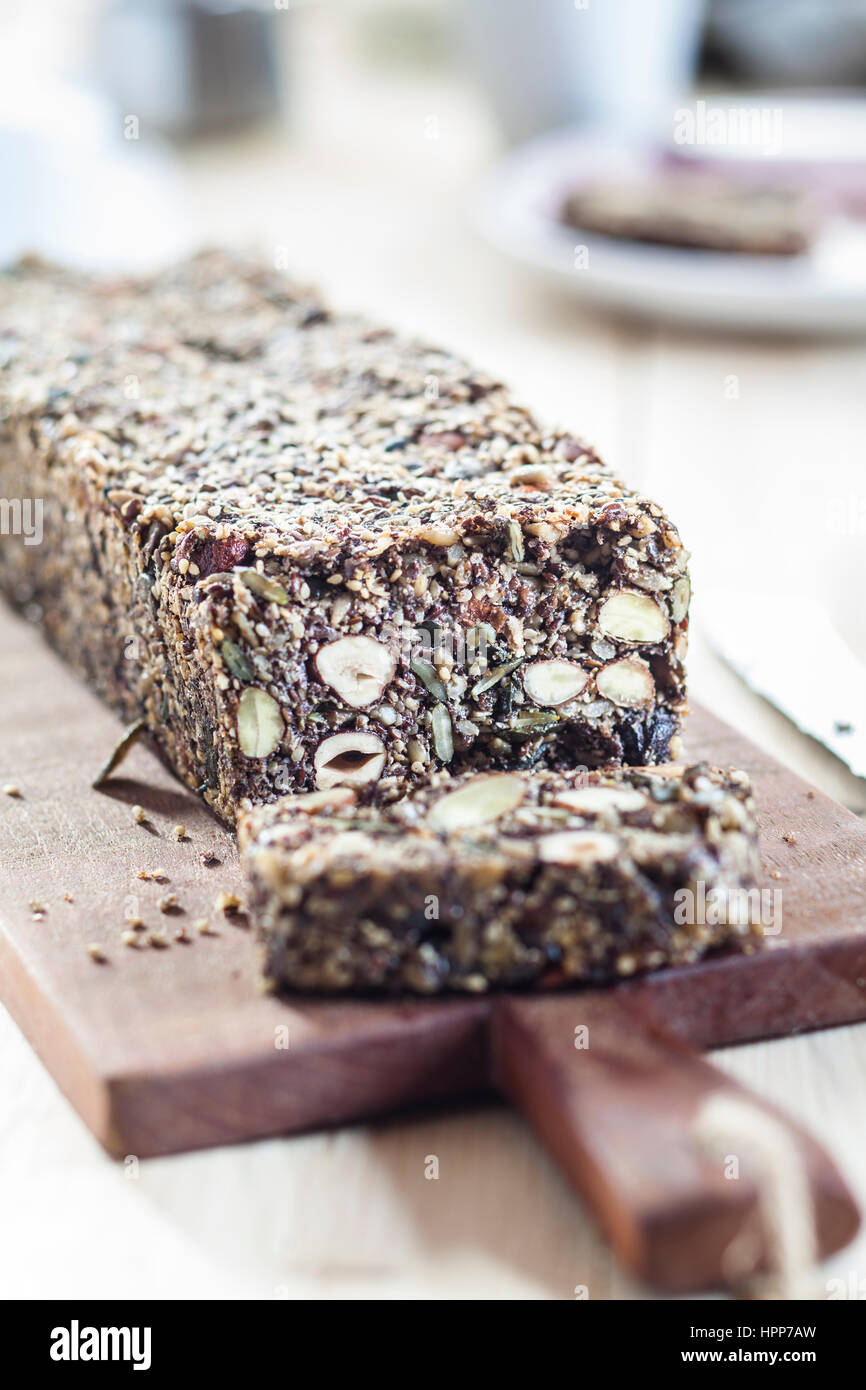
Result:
{"points": [[503, 879], [307, 551]]}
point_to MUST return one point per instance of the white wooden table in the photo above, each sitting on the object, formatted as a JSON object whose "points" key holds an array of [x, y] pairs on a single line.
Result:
{"points": [[367, 193]]}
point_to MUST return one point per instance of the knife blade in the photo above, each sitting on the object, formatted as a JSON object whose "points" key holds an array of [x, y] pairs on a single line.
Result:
{"points": [[767, 644]]}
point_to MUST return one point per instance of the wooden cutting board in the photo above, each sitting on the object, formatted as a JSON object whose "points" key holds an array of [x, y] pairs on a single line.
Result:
{"points": [[174, 1048]]}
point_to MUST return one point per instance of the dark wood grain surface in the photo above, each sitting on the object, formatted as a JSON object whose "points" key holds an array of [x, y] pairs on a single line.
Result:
{"points": [[168, 1049]]}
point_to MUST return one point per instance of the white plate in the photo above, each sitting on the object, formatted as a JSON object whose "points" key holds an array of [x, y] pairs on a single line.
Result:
{"points": [[517, 210]]}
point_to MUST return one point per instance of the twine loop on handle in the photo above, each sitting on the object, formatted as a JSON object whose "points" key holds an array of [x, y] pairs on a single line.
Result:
{"points": [[729, 1126]]}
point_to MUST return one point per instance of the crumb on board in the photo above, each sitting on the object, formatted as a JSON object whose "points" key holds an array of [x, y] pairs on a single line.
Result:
{"points": [[158, 940], [208, 859], [11, 789], [131, 938], [789, 838], [203, 927], [134, 923], [180, 832], [228, 902], [181, 935], [38, 909], [138, 814], [68, 898], [169, 903], [96, 953], [774, 873]]}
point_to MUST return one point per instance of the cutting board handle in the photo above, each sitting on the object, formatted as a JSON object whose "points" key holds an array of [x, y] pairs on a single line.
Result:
{"points": [[696, 1182]]}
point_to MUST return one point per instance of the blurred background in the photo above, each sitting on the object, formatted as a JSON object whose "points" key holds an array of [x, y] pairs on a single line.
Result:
{"points": [[417, 158]]}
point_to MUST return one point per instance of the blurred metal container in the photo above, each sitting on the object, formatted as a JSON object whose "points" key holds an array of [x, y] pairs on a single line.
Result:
{"points": [[190, 67], [797, 41]]}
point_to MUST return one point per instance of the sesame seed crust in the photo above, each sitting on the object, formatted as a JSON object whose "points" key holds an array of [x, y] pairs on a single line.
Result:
{"points": [[236, 480]]}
